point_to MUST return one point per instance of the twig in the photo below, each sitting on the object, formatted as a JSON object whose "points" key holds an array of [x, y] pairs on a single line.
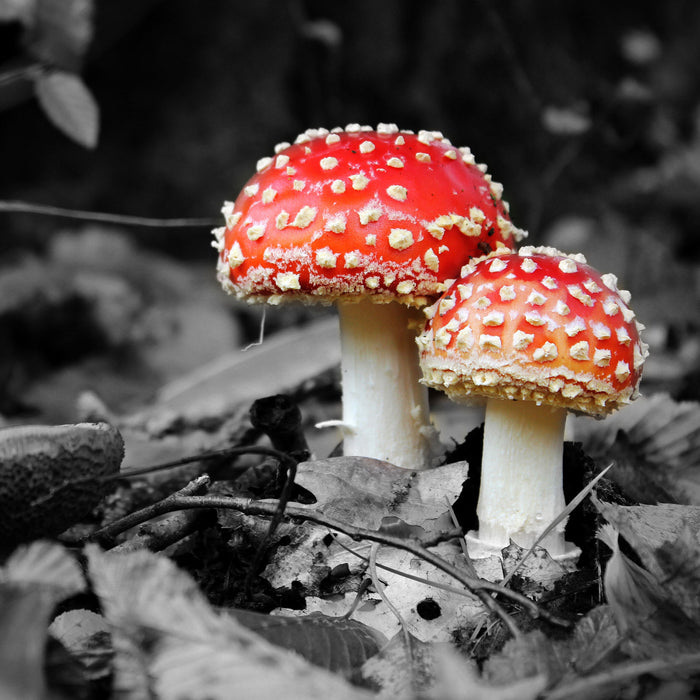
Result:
{"points": [[17, 206], [214, 454], [159, 535], [379, 587], [293, 510]]}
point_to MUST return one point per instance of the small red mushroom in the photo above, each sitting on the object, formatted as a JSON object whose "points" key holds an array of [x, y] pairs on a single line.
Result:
{"points": [[365, 218], [537, 333]]}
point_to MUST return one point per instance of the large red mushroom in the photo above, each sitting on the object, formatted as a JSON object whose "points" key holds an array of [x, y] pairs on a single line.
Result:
{"points": [[376, 221], [537, 334]]}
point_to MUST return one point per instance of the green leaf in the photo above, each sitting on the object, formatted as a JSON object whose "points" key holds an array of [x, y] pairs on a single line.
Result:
{"points": [[69, 104]]}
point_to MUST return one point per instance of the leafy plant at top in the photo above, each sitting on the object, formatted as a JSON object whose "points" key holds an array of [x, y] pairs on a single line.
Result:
{"points": [[56, 34]]}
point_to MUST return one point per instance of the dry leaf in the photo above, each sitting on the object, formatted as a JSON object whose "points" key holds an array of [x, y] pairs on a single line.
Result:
{"points": [[186, 649], [334, 643], [655, 606], [362, 492]]}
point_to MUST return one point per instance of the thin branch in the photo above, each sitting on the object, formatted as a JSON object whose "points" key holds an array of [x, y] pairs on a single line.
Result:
{"points": [[268, 508], [18, 206]]}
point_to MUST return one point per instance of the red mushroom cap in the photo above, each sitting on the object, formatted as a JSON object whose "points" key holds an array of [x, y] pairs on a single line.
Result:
{"points": [[537, 325], [356, 212]]}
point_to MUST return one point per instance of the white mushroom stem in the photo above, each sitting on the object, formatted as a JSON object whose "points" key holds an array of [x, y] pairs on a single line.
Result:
{"points": [[521, 475], [385, 407]]}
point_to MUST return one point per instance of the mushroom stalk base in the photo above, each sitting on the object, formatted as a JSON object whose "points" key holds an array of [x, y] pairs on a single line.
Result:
{"points": [[385, 407], [521, 476]]}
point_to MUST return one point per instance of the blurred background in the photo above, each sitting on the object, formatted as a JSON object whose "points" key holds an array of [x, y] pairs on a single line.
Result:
{"points": [[586, 111]]}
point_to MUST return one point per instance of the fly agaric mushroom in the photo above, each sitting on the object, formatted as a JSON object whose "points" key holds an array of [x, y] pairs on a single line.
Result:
{"points": [[537, 333], [357, 216]]}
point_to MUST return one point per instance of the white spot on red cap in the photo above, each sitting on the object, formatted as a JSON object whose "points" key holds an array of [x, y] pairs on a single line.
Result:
{"points": [[329, 163], [394, 162], [497, 265], [325, 257], [493, 318], [367, 147], [507, 293], [579, 351], [352, 259], [235, 255], [397, 192], [287, 280], [521, 339], [546, 353], [432, 262], [534, 318], [304, 217], [528, 265], [622, 371], [490, 342], [567, 266], [251, 190], [369, 213], [465, 338], [400, 238], [601, 358], [336, 223], [359, 181], [600, 330], [263, 163], [536, 298], [575, 327], [561, 308], [578, 293], [256, 231]]}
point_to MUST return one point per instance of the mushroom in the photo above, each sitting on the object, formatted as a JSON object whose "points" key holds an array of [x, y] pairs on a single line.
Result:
{"points": [[536, 333], [375, 221]]}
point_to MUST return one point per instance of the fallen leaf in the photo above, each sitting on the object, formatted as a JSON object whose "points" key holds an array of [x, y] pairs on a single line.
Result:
{"points": [[558, 661], [334, 643], [362, 492], [185, 648], [457, 678], [403, 669], [655, 606], [86, 636]]}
